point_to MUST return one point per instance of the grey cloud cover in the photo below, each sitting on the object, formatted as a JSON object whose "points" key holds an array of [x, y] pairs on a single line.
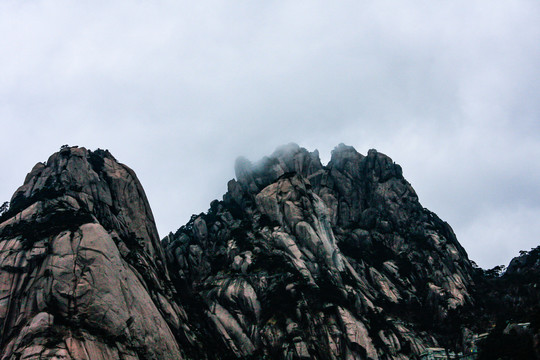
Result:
{"points": [[177, 90]]}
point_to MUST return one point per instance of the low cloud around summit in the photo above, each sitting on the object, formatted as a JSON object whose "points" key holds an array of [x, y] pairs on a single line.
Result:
{"points": [[178, 91]]}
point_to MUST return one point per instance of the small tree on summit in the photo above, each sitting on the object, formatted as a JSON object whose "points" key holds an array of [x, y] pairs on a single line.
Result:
{"points": [[496, 272]]}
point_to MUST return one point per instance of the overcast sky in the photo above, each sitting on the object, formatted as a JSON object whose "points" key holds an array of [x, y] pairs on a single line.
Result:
{"points": [[177, 90]]}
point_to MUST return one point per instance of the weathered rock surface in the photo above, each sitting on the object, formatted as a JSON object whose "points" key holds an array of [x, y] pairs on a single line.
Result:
{"points": [[305, 261], [298, 261], [82, 271]]}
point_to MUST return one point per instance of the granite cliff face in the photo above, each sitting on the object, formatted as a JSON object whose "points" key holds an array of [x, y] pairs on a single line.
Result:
{"points": [[82, 271], [298, 261], [305, 261]]}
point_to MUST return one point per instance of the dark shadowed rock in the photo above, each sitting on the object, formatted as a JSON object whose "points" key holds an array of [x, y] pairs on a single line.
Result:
{"points": [[298, 261], [305, 261]]}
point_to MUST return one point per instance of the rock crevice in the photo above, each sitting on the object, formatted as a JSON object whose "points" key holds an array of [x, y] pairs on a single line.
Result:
{"points": [[299, 260]]}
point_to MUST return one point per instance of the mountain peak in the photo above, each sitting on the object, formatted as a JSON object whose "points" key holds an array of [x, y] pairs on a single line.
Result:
{"points": [[81, 236], [300, 256], [299, 261], [100, 186], [285, 159]]}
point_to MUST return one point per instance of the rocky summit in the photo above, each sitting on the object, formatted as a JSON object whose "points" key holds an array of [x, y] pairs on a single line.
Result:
{"points": [[83, 274], [297, 261]]}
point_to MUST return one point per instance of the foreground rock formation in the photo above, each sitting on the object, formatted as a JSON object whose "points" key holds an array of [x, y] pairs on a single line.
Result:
{"points": [[298, 261], [82, 271]]}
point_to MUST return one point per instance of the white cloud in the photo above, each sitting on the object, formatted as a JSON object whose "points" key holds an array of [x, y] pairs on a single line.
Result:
{"points": [[177, 90], [497, 235]]}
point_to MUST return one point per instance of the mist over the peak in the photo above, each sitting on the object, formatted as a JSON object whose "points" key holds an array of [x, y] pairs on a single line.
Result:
{"points": [[178, 91]]}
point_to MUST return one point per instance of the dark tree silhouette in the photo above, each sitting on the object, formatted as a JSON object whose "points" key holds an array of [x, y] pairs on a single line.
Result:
{"points": [[4, 208]]}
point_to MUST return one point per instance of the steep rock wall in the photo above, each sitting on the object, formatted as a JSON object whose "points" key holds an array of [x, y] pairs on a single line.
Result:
{"points": [[305, 261], [82, 271]]}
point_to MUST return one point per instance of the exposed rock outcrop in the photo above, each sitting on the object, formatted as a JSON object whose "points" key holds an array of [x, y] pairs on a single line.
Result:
{"points": [[305, 261], [298, 261], [82, 271]]}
